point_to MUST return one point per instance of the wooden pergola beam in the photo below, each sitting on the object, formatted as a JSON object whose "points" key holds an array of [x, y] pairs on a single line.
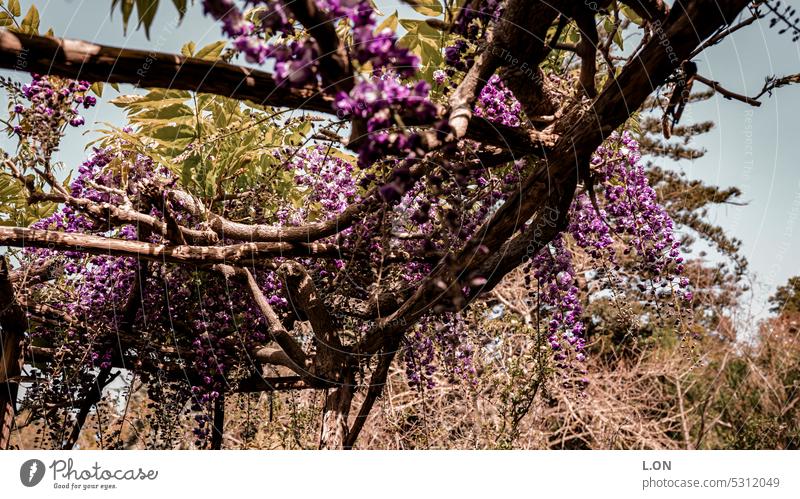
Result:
{"points": [[80, 60]]}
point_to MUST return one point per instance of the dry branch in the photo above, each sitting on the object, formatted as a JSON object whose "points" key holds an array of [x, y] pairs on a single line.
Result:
{"points": [[234, 254]]}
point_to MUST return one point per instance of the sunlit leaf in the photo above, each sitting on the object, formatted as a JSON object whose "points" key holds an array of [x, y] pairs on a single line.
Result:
{"points": [[30, 24], [14, 8], [6, 20], [211, 51], [390, 22], [188, 49], [427, 7], [630, 14]]}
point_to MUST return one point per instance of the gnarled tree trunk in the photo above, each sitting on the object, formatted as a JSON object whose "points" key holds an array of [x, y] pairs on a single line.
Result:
{"points": [[335, 414]]}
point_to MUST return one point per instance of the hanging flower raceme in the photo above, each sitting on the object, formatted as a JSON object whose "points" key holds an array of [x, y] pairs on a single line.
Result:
{"points": [[328, 180], [378, 100], [630, 220], [381, 97], [439, 345], [53, 103], [558, 295], [630, 211]]}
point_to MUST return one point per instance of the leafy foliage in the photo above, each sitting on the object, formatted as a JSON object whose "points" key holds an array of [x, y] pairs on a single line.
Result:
{"points": [[145, 11]]}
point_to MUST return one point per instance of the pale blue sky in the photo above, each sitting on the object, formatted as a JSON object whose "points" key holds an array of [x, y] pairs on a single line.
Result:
{"points": [[756, 149]]}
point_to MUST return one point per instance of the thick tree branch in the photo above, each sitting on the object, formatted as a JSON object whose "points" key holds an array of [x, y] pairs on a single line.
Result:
{"points": [[463, 98], [234, 254], [279, 334], [377, 382], [274, 357], [587, 51], [335, 426], [305, 298], [82, 60], [334, 62]]}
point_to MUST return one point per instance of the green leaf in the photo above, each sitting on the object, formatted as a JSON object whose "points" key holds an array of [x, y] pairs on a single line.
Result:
{"points": [[427, 7], [165, 114], [422, 39], [155, 99], [126, 7], [146, 11], [181, 6], [97, 88], [14, 8], [573, 35], [608, 26], [633, 16], [211, 51], [30, 24]]}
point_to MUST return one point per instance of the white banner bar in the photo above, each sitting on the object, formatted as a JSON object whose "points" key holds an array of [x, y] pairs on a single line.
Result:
{"points": [[407, 475]]}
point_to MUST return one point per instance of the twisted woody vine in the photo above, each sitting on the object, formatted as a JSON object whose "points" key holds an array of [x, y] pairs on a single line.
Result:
{"points": [[331, 193]]}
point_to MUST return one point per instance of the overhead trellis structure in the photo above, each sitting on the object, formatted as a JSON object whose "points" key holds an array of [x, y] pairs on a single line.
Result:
{"points": [[333, 334]]}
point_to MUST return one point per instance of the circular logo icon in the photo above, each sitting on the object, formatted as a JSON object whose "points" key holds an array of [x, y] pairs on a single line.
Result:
{"points": [[31, 472]]}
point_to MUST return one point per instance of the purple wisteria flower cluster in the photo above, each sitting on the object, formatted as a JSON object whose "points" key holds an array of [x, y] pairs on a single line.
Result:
{"points": [[630, 210], [555, 277], [53, 102], [380, 97], [630, 219], [201, 313], [439, 343], [497, 104], [249, 38], [377, 101], [328, 180], [377, 98]]}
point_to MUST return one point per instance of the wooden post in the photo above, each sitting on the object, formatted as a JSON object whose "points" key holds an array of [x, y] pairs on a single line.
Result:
{"points": [[12, 332], [217, 430]]}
